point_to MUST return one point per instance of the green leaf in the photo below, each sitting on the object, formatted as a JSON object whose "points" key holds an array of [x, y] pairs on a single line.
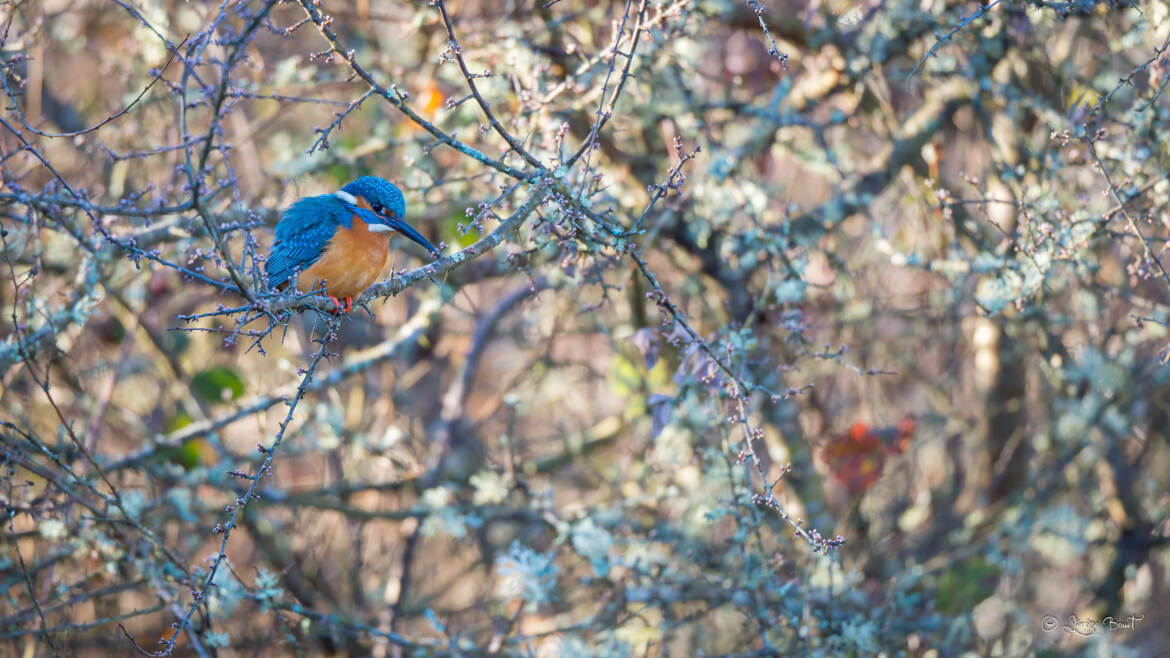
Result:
{"points": [[964, 586], [174, 342], [178, 422], [189, 455], [450, 231], [212, 383]]}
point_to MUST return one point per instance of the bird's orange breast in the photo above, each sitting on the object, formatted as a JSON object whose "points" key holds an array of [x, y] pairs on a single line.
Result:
{"points": [[353, 259]]}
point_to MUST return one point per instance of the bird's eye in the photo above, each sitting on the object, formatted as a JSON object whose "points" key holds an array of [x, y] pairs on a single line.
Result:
{"points": [[377, 207]]}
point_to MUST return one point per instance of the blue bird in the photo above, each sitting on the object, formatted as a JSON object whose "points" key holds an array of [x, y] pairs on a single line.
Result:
{"points": [[329, 241]]}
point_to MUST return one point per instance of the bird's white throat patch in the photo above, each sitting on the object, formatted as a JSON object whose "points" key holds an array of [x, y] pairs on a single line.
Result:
{"points": [[380, 228]]}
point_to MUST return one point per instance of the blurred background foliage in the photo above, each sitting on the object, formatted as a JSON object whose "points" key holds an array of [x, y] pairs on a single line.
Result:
{"points": [[885, 270]]}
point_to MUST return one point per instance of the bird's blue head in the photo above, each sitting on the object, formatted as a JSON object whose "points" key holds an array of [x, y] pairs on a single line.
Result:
{"points": [[388, 205]]}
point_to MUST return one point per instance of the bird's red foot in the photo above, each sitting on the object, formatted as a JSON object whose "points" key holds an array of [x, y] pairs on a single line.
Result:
{"points": [[341, 308]]}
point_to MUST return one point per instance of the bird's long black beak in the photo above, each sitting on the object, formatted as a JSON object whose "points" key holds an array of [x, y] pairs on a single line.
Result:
{"points": [[405, 229]]}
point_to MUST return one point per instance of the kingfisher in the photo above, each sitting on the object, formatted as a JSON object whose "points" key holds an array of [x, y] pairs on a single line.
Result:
{"points": [[331, 241]]}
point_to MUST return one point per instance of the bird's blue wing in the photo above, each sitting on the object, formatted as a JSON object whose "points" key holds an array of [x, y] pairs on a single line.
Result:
{"points": [[303, 233]]}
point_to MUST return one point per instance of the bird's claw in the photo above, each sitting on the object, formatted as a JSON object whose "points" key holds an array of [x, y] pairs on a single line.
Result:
{"points": [[341, 308]]}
